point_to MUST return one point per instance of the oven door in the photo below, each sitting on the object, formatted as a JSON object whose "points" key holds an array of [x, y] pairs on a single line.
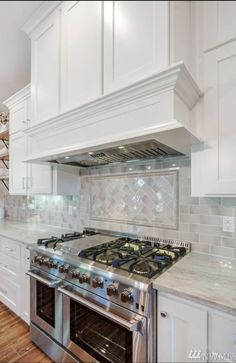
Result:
{"points": [[46, 303], [97, 330]]}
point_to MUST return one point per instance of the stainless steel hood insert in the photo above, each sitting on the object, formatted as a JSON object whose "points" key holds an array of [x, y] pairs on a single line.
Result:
{"points": [[144, 150]]}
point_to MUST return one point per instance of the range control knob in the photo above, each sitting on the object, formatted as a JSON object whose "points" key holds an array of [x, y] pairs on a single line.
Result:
{"points": [[52, 263], [45, 261], [64, 268], [97, 282], [127, 295], [37, 258], [84, 278], [73, 274], [112, 290]]}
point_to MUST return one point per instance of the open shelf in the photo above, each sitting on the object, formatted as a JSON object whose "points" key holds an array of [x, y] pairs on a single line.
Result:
{"points": [[4, 157], [4, 177], [4, 135]]}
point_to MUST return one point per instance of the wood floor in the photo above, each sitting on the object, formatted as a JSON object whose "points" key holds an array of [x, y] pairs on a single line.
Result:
{"points": [[15, 343]]}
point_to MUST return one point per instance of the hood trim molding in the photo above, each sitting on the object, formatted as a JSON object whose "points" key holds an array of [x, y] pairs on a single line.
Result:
{"points": [[171, 94]]}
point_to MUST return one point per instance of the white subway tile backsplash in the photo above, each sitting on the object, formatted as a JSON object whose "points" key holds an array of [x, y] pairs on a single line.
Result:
{"points": [[112, 198]]}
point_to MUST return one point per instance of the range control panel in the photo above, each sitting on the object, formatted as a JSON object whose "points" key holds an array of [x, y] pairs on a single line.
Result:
{"points": [[110, 289]]}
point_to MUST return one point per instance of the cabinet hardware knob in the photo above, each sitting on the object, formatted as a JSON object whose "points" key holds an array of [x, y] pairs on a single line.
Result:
{"points": [[163, 314]]}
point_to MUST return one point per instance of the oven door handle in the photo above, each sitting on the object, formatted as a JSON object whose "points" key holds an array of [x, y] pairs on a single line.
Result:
{"points": [[50, 283], [132, 325]]}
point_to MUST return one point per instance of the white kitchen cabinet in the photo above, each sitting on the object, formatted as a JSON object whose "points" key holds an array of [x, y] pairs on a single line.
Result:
{"points": [[219, 22], [188, 331], [25, 285], [213, 164], [10, 288], [81, 56], [182, 328], [18, 170], [45, 68], [135, 41]]}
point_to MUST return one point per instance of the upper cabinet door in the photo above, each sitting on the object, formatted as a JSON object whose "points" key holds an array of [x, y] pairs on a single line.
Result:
{"points": [[45, 69], [136, 41], [219, 116], [81, 57], [219, 22], [18, 172], [18, 116]]}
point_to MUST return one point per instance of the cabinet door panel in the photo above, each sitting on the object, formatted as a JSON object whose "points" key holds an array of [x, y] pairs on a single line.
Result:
{"points": [[40, 181], [18, 117], [219, 22], [25, 285], [81, 52], [182, 332], [18, 169], [222, 337], [220, 126], [135, 41], [45, 69]]}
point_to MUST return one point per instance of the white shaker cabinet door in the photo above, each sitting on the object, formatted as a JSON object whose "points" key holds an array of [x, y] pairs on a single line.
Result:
{"points": [[182, 331], [81, 56], [219, 117], [18, 116], [222, 337], [18, 169], [136, 41], [45, 68]]}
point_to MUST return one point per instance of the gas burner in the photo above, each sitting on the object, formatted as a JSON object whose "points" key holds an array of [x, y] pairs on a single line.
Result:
{"points": [[47, 242], [148, 267], [108, 257]]}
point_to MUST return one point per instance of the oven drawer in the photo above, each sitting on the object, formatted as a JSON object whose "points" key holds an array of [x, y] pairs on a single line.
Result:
{"points": [[9, 294], [10, 248]]}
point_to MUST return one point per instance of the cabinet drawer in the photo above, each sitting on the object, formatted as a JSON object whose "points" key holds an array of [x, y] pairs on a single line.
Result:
{"points": [[10, 248], [9, 267], [9, 294]]}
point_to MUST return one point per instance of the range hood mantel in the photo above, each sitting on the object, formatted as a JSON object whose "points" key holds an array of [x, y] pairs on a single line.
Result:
{"points": [[157, 108]]}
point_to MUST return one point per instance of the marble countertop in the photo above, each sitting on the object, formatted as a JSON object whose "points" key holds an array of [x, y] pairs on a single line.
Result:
{"points": [[28, 233], [204, 279]]}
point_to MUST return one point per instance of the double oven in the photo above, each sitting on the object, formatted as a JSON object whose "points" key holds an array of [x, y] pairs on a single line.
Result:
{"points": [[72, 324]]}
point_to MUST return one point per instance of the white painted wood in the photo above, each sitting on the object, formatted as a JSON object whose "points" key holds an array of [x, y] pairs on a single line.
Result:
{"points": [[219, 131], [25, 285], [158, 107], [184, 329], [222, 337], [40, 179], [65, 180], [18, 171], [81, 55], [219, 22], [135, 41], [45, 68]]}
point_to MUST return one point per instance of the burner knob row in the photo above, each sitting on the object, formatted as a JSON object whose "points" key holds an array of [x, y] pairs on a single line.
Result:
{"points": [[46, 261], [97, 282], [127, 295]]}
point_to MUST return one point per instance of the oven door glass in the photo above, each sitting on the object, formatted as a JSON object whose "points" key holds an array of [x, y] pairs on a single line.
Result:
{"points": [[45, 303], [105, 340]]}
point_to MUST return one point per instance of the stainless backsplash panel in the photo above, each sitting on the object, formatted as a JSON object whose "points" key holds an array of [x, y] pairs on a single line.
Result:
{"points": [[144, 198]]}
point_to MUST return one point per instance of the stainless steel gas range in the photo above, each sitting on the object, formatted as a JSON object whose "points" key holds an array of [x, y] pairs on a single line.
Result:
{"points": [[92, 298]]}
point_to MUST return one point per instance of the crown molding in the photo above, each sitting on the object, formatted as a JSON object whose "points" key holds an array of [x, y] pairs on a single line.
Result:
{"points": [[39, 15], [18, 97]]}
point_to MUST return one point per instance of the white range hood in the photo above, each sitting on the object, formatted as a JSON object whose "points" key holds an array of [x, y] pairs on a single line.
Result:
{"points": [[156, 108]]}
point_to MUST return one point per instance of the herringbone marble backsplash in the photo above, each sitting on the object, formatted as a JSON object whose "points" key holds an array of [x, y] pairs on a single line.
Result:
{"points": [[151, 199]]}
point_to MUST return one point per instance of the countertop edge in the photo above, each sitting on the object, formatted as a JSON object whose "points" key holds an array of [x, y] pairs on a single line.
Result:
{"points": [[193, 298]]}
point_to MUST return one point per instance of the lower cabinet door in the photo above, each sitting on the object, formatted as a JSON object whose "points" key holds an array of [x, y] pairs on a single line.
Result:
{"points": [[182, 331], [222, 337], [9, 294]]}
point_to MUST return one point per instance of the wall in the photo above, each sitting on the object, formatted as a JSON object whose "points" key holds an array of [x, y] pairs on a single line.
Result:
{"points": [[147, 200]]}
